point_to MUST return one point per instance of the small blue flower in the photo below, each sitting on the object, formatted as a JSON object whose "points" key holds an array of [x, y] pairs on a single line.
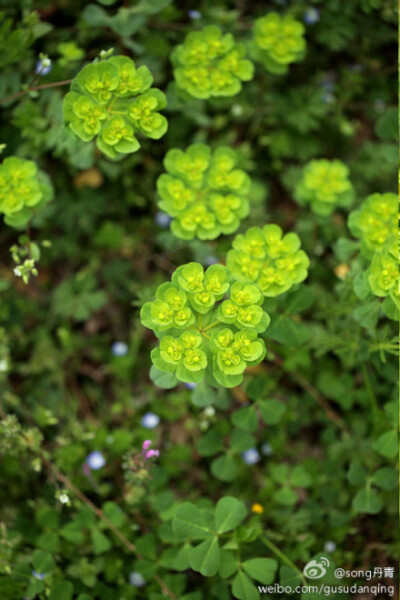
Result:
{"points": [[136, 579], [210, 260], [311, 16], [162, 219], [194, 14], [330, 546], [190, 386], [43, 67], [38, 575], [150, 420], [95, 460], [251, 456], [119, 349], [267, 449]]}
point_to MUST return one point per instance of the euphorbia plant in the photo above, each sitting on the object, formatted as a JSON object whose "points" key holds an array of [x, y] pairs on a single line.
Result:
{"points": [[201, 333]]}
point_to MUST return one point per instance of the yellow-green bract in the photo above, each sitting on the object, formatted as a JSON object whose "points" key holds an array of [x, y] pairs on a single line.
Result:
{"points": [[112, 101], [203, 192], [277, 42], [22, 189], [325, 185], [208, 325], [210, 63], [266, 257], [374, 221]]}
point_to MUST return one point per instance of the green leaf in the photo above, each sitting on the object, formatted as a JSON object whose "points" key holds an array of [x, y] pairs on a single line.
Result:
{"points": [[48, 541], [271, 411], [367, 501], [387, 444], [62, 591], [241, 441], [228, 563], [288, 332], [202, 395], [245, 418], [229, 513], [163, 380], [300, 477], [100, 542], [84, 597], [224, 467], [357, 475], [205, 557], [42, 561], [114, 513], [261, 569], [289, 577], [243, 588], [286, 496], [210, 443], [385, 478], [189, 523]]}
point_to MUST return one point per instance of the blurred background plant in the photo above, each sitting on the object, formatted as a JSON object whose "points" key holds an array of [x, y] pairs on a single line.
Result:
{"points": [[308, 443]]}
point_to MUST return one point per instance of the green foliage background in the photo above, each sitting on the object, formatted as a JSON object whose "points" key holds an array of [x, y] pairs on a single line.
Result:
{"points": [[323, 402]]}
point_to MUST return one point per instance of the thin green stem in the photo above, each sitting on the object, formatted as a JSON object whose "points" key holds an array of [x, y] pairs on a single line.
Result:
{"points": [[282, 556], [210, 326]]}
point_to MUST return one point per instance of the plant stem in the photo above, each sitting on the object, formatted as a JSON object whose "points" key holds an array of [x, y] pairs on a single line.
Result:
{"points": [[210, 326], [33, 89], [282, 556]]}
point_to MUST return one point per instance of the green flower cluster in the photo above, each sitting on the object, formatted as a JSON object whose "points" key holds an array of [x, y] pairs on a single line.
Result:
{"points": [[208, 325], [277, 42], [325, 185], [112, 100], [209, 63], [265, 257], [22, 189], [203, 192], [383, 274], [374, 221]]}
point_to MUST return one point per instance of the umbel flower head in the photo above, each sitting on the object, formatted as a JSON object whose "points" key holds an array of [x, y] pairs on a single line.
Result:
{"points": [[210, 63], [325, 185], [112, 101], [383, 275], [208, 325], [203, 191], [374, 221], [22, 189], [269, 259], [277, 42]]}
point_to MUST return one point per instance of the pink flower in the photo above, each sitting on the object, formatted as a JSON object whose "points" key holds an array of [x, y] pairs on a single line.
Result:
{"points": [[146, 453]]}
